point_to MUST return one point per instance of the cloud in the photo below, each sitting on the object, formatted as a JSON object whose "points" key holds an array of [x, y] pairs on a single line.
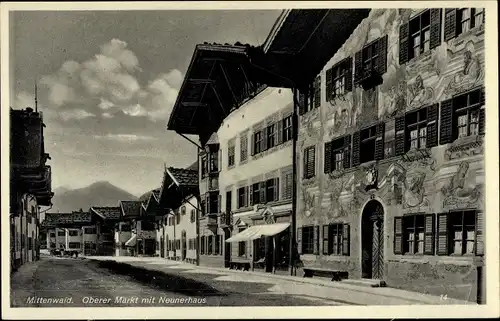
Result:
{"points": [[107, 82], [125, 137], [77, 114], [23, 100]]}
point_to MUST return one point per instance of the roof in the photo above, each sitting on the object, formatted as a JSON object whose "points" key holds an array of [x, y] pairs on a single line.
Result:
{"points": [[156, 194], [219, 79], [301, 41], [131, 208], [194, 166], [107, 212], [54, 219], [183, 177]]}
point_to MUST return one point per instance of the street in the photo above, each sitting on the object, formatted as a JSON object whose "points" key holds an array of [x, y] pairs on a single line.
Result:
{"points": [[88, 283]]}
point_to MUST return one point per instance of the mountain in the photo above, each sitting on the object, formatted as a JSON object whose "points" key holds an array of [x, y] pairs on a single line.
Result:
{"points": [[97, 194]]}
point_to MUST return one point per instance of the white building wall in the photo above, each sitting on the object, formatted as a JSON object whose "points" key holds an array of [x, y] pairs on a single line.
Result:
{"points": [[184, 224]]}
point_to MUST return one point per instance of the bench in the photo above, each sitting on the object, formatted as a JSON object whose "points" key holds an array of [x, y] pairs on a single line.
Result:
{"points": [[245, 266], [336, 275]]}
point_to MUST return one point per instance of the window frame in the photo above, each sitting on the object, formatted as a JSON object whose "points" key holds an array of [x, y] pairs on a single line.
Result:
{"points": [[452, 215], [372, 137], [242, 196], [308, 245], [257, 142], [231, 155], [420, 32], [287, 128], [309, 162], [369, 55], [466, 110], [419, 124], [271, 135]]}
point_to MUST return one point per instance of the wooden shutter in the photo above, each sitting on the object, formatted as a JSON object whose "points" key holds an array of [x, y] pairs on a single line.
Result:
{"points": [[326, 245], [482, 110], [311, 167], [299, 240], [379, 141], [429, 234], [263, 141], [446, 132], [262, 192], [302, 102], [450, 24], [355, 148], [250, 195], [435, 37], [432, 125], [209, 209], [403, 43], [381, 63], [348, 75], [358, 66], [316, 240], [279, 132], [398, 235], [442, 234], [252, 144], [400, 137], [479, 246], [276, 182], [346, 239], [328, 157], [247, 196], [347, 151], [329, 84]]}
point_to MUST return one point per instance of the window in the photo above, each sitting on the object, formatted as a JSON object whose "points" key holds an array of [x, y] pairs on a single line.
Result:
{"points": [[203, 207], [420, 34], [242, 197], [317, 92], [52, 234], [213, 161], [309, 162], [467, 114], [243, 148], [257, 142], [469, 18], [337, 154], [242, 246], [287, 186], [367, 140], [336, 239], [74, 245], [416, 123], [414, 229], [255, 194], [228, 201], [90, 230], [62, 233], [287, 128], [308, 239], [230, 156], [271, 136], [214, 203], [148, 226], [370, 56], [462, 236], [210, 244], [183, 210], [339, 79], [204, 166], [73, 233], [193, 215], [125, 228], [217, 245], [272, 190]]}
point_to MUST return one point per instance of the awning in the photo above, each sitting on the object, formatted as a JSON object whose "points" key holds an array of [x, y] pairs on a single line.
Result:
{"points": [[132, 241], [257, 231]]}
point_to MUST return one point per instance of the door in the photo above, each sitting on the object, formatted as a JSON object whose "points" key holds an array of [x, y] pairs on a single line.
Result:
{"points": [[372, 241], [269, 253]]}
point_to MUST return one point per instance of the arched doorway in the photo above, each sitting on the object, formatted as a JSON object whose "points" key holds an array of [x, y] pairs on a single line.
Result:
{"points": [[372, 241], [184, 248]]}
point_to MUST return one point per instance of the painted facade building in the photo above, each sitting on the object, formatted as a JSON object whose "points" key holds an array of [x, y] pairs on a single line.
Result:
{"points": [[391, 167], [177, 213], [30, 184]]}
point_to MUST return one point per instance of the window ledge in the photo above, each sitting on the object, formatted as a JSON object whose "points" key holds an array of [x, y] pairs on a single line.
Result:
{"points": [[420, 59]]}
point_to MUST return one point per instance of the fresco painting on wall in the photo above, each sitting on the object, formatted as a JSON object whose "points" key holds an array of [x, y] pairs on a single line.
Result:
{"points": [[459, 191], [471, 75]]}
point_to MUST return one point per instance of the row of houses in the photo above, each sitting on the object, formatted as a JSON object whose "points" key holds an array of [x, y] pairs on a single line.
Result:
{"points": [[30, 184], [353, 137]]}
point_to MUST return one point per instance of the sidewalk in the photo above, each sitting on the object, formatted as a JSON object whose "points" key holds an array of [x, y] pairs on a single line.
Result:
{"points": [[383, 295]]}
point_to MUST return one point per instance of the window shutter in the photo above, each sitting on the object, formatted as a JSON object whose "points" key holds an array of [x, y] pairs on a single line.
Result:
{"points": [[262, 192], [482, 110], [219, 204], [276, 189], [358, 66], [429, 234], [400, 137], [432, 125], [442, 230], [381, 64], [302, 102], [279, 132], [328, 157], [250, 195], [446, 132], [329, 84], [348, 75], [403, 43], [252, 144], [263, 142], [347, 151], [305, 156], [209, 209], [355, 148], [435, 38], [346, 239], [398, 235], [316, 240], [450, 24], [247, 196], [311, 166], [299, 240], [326, 247], [379, 141], [479, 248]]}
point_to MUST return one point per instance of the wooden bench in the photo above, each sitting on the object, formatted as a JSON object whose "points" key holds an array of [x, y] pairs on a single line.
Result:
{"points": [[336, 275]]}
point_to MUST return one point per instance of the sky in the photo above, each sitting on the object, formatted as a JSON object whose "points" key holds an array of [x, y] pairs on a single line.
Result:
{"points": [[107, 82]]}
